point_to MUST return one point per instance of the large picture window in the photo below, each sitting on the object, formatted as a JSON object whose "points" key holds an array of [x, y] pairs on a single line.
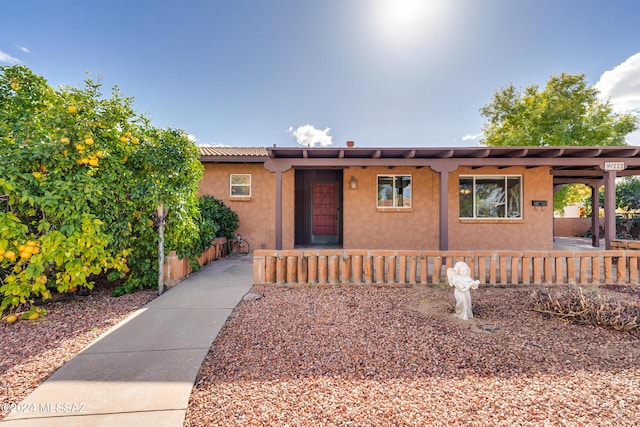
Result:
{"points": [[240, 185], [491, 196], [394, 191]]}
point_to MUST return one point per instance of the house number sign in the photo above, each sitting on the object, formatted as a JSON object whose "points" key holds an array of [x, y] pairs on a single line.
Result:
{"points": [[614, 166]]}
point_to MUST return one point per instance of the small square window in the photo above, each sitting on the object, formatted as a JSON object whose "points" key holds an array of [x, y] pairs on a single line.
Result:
{"points": [[240, 185], [394, 191]]}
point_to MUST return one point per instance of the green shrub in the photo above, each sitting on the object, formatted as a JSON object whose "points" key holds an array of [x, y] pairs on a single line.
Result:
{"points": [[217, 212]]}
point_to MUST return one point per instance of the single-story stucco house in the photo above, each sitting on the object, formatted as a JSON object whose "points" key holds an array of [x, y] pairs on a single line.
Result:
{"points": [[421, 198]]}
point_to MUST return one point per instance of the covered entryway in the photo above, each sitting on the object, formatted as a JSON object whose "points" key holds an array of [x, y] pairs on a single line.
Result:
{"points": [[318, 207]]}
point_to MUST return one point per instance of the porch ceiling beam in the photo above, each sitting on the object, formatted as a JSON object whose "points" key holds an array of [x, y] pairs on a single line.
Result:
{"points": [[577, 180], [576, 172], [481, 153], [446, 154]]}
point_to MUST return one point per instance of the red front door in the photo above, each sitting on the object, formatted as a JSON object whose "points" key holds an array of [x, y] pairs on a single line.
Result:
{"points": [[325, 213]]}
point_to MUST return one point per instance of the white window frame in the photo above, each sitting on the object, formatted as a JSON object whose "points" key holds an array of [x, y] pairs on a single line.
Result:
{"points": [[505, 178], [232, 185], [394, 191]]}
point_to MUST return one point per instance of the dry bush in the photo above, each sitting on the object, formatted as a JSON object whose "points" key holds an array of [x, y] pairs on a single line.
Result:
{"points": [[592, 307]]}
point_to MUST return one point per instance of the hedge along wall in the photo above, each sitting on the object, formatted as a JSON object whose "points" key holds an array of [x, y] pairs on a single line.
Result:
{"points": [[176, 269]]}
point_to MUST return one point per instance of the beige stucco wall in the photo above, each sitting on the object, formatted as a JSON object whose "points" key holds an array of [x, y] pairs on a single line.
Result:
{"points": [[258, 214], [366, 227], [570, 227], [534, 231]]}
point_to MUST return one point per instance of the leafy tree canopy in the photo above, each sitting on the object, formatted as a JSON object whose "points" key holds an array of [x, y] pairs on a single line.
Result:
{"points": [[81, 177], [566, 112]]}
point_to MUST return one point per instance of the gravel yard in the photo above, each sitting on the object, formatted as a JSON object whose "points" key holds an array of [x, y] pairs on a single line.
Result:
{"points": [[379, 356], [32, 350], [368, 356]]}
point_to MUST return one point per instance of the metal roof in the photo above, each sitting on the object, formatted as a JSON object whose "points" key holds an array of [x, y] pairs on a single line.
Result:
{"points": [[233, 154]]}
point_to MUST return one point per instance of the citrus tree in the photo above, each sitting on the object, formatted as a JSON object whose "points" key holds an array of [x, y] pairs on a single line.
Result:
{"points": [[82, 175]]}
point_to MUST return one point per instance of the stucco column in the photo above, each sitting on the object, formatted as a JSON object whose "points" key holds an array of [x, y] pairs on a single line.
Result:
{"points": [[278, 210], [609, 208], [595, 215], [444, 168], [278, 166]]}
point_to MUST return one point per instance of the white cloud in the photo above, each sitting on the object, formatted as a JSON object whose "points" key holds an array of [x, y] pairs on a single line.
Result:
{"points": [[471, 137], [621, 86], [24, 49], [309, 136], [8, 59]]}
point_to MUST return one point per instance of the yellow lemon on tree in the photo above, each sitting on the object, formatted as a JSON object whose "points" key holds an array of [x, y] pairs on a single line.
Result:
{"points": [[72, 109], [80, 147], [33, 316], [12, 318], [88, 141], [10, 255], [135, 141], [37, 175], [127, 134], [25, 255], [65, 140], [124, 139], [93, 162]]}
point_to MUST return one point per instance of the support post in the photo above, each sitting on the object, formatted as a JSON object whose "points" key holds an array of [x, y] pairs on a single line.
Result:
{"points": [[595, 214], [279, 210], [161, 221], [609, 208], [443, 169]]}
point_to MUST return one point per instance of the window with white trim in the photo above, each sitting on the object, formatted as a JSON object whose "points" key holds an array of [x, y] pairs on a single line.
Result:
{"points": [[394, 191], [491, 196], [240, 185]]}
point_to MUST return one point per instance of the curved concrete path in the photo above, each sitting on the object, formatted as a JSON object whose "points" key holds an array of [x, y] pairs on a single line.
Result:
{"points": [[141, 371]]}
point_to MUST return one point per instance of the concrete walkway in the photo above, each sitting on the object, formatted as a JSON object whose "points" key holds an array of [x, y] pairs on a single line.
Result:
{"points": [[141, 372]]}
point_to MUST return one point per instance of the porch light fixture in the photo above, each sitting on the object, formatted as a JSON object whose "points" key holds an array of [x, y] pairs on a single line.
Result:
{"points": [[353, 183]]}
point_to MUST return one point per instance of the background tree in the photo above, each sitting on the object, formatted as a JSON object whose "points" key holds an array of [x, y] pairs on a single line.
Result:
{"points": [[628, 194], [566, 112]]}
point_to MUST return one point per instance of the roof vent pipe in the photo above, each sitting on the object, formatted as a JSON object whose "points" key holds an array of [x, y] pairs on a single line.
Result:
{"points": [[350, 144]]}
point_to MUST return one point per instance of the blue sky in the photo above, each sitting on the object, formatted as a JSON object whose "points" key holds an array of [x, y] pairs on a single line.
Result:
{"points": [[380, 72]]}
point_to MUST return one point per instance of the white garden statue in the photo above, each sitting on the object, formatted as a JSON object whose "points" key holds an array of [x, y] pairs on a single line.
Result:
{"points": [[460, 277]]}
